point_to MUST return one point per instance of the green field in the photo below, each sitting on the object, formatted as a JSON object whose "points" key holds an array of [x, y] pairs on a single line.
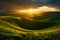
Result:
{"points": [[20, 28]]}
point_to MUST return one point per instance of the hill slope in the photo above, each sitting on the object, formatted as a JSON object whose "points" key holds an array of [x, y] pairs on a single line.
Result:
{"points": [[16, 27]]}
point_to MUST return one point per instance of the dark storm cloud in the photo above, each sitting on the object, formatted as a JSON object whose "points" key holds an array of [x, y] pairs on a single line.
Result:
{"points": [[43, 2], [18, 1], [15, 2], [55, 3], [40, 1]]}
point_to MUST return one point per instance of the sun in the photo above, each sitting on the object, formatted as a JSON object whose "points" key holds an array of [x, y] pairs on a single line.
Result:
{"points": [[38, 10], [31, 12]]}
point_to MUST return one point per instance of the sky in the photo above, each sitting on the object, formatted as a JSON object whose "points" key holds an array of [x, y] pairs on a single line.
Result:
{"points": [[8, 4]]}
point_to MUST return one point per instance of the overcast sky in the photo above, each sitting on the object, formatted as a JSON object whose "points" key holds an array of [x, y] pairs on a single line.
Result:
{"points": [[6, 4]]}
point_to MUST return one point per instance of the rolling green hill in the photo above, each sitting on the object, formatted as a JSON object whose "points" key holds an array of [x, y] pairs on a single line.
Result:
{"points": [[21, 28]]}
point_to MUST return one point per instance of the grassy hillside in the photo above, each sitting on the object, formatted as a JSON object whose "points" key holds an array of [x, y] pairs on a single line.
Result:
{"points": [[20, 28]]}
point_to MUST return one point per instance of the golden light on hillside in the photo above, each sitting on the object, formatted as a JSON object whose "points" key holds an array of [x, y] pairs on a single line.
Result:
{"points": [[38, 11], [28, 11]]}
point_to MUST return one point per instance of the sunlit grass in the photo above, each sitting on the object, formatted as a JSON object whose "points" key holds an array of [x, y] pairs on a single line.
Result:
{"points": [[12, 29]]}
